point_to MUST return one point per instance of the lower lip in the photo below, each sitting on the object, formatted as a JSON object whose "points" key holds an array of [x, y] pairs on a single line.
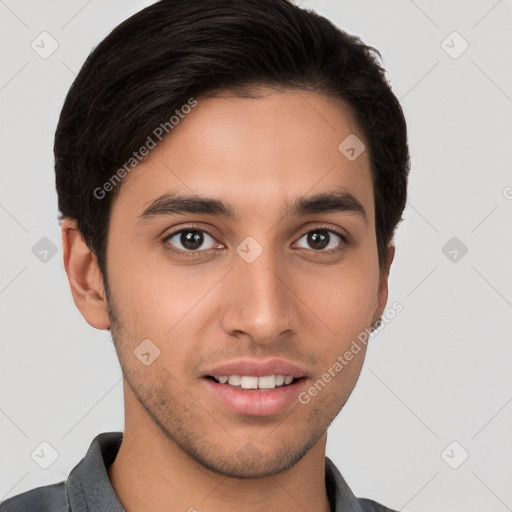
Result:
{"points": [[256, 402]]}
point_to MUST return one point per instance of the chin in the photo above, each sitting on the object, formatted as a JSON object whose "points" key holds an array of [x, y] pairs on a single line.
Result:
{"points": [[252, 462]]}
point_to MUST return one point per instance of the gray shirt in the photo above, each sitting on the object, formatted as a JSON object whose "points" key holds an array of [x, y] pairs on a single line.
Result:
{"points": [[88, 488]]}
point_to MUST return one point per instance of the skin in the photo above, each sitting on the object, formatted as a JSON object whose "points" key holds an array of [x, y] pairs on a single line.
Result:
{"points": [[181, 448]]}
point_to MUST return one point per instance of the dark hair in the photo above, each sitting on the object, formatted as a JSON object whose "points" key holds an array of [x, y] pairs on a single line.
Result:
{"points": [[156, 60]]}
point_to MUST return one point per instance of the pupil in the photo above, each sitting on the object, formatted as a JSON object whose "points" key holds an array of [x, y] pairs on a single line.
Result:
{"points": [[191, 239], [318, 239]]}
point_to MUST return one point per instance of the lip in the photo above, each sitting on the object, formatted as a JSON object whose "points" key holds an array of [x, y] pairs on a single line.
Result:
{"points": [[256, 402], [257, 368]]}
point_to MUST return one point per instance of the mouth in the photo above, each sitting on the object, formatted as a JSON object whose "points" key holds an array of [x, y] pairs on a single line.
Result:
{"points": [[255, 396], [256, 387]]}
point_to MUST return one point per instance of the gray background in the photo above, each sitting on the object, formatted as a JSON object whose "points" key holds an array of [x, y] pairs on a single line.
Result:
{"points": [[438, 373]]}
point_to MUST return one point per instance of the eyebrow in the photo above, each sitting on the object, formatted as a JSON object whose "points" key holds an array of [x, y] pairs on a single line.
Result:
{"points": [[174, 204]]}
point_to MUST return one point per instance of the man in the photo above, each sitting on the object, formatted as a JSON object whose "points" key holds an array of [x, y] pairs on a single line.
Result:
{"points": [[230, 177]]}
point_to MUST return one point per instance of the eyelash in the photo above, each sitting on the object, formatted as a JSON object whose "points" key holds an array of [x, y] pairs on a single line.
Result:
{"points": [[199, 253]]}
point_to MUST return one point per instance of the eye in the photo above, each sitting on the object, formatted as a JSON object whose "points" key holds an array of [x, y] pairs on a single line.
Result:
{"points": [[323, 239], [190, 240]]}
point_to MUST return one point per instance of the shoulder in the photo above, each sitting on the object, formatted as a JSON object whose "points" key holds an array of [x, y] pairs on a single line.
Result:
{"points": [[48, 498], [367, 505]]}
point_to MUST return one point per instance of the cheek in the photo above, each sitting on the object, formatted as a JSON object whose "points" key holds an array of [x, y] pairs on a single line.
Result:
{"points": [[153, 296], [158, 310], [344, 297]]}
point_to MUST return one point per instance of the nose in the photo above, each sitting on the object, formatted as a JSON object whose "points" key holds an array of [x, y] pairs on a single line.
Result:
{"points": [[260, 303]]}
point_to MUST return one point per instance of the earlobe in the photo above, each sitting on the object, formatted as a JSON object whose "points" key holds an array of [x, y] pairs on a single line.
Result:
{"points": [[84, 276]]}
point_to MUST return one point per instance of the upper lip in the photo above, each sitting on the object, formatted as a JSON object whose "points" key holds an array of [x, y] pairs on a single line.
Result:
{"points": [[257, 368]]}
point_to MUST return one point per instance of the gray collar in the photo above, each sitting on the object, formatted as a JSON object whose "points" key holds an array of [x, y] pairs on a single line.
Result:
{"points": [[89, 487]]}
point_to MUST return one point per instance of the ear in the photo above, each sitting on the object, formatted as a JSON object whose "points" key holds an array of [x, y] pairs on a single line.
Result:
{"points": [[84, 276], [383, 280]]}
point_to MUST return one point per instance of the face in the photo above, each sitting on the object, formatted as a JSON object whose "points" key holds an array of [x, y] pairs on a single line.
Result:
{"points": [[253, 277]]}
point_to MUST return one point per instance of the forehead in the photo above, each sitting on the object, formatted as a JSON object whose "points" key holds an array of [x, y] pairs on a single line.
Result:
{"points": [[256, 152]]}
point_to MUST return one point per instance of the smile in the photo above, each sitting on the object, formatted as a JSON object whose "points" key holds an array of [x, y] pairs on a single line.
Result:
{"points": [[250, 397], [253, 382]]}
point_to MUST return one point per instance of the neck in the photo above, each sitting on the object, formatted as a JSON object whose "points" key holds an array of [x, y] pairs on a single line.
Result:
{"points": [[151, 472]]}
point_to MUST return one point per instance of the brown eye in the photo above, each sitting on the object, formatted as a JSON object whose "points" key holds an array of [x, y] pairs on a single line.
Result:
{"points": [[322, 239], [191, 240]]}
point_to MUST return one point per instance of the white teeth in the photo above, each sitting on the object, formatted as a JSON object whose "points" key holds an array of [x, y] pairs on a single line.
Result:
{"points": [[279, 380], [234, 380], [250, 382], [267, 382]]}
